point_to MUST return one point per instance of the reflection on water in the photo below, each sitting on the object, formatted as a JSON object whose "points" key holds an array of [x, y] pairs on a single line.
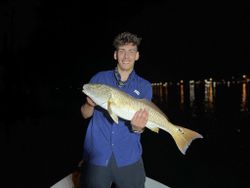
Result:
{"points": [[209, 94], [219, 110], [181, 91], [203, 95], [244, 97]]}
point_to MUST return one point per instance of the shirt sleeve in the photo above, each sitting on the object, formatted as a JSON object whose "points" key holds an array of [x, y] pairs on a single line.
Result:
{"points": [[95, 78], [148, 91]]}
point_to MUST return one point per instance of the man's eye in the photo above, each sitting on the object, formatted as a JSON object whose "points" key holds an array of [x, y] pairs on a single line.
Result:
{"points": [[132, 51]]}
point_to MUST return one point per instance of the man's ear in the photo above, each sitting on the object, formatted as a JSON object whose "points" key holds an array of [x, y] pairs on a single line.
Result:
{"points": [[137, 56], [115, 55]]}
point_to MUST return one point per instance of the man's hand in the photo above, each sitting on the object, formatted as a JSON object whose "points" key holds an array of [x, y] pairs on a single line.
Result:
{"points": [[90, 102], [139, 121], [87, 108]]}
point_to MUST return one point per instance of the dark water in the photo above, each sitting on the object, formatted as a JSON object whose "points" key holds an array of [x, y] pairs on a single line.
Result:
{"points": [[217, 110], [42, 132]]}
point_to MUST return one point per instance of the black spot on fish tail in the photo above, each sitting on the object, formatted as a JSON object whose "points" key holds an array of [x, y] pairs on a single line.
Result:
{"points": [[180, 130]]}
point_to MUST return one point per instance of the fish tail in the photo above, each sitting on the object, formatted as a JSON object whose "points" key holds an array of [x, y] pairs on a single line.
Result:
{"points": [[183, 137]]}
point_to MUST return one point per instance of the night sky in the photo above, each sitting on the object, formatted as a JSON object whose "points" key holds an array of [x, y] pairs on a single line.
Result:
{"points": [[45, 41]]}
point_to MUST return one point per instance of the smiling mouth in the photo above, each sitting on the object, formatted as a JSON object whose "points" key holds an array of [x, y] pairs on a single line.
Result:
{"points": [[125, 63]]}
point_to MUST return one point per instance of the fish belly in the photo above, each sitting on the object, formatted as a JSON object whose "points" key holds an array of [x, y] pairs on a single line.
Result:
{"points": [[124, 113]]}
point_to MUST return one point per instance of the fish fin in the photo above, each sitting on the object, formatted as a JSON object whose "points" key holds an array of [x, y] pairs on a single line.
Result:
{"points": [[152, 127], [155, 129], [183, 137], [112, 115]]}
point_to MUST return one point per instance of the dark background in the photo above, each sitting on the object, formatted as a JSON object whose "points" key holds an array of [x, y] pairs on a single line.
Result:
{"points": [[53, 40], [50, 48]]}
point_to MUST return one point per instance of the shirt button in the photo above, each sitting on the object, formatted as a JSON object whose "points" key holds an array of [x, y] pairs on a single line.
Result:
{"points": [[113, 132], [113, 144]]}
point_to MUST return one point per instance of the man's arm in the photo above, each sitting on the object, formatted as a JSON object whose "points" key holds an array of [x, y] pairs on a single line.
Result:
{"points": [[87, 108]]}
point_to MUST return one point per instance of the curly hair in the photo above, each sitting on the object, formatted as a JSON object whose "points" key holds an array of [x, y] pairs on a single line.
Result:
{"points": [[126, 38]]}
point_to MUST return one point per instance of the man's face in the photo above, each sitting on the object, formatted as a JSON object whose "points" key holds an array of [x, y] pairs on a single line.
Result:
{"points": [[126, 56]]}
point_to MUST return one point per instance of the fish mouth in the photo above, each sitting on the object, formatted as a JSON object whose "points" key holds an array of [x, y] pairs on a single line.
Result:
{"points": [[84, 86], [84, 89]]}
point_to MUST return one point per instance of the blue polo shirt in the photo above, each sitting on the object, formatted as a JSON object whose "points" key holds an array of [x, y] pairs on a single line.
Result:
{"points": [[104, 136]]}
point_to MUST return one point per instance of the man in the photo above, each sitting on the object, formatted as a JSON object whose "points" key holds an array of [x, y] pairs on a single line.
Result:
{"points": [[113, 153]]}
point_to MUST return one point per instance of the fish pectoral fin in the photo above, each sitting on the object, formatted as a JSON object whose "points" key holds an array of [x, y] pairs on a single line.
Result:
{"points": [[152, 126], [111, 113], [113, 116]]}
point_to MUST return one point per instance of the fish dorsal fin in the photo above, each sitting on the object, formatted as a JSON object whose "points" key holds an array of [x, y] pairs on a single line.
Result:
{"points": [[152, 105]]}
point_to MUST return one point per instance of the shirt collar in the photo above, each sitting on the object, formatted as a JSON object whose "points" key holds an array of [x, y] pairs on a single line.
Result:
{"points": [[121, 83]]}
